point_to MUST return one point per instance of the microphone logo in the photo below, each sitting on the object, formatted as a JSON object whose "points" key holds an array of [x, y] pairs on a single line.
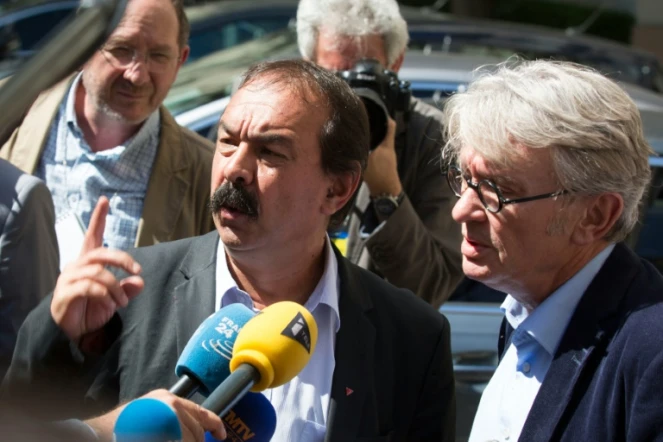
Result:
{"points": [[222, 347], [298, 330]]}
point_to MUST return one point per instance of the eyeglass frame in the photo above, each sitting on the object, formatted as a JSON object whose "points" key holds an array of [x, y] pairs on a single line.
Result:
{"points": [[135, 57], [500, 198]]}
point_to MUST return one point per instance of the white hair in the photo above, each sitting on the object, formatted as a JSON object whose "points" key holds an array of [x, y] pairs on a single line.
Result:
{"points": [[591, 126], [351, 18]]}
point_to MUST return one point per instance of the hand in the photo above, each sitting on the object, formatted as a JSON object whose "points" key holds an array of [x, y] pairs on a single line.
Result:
{"points": [[194, 419], [86, 294], [381, 175]]}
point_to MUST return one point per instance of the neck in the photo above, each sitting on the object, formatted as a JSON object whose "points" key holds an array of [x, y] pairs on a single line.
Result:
{"points": [[287, 277], [101, 132], [533, 292]]}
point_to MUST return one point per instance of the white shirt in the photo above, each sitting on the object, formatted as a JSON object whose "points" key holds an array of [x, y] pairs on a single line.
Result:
{"points": [[302, 405], [509, 396]]}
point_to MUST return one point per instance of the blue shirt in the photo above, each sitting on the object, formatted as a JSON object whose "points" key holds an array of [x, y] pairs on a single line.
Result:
{"points": [[302, 405], [77, 176], [507, 399]]}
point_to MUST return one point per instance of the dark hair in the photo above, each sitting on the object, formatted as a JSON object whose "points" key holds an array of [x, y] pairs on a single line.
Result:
{"points": [[183, 21], [344, 137]]}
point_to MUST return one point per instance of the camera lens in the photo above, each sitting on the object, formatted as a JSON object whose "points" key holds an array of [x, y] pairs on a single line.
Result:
{"points": [[377, 114]]}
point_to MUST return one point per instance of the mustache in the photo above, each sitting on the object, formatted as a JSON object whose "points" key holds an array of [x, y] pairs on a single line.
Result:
{"points": [[127, 87], [236, 197]]}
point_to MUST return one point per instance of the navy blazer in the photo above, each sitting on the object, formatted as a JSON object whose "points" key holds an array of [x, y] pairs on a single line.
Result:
{"points": [[605, 382]]}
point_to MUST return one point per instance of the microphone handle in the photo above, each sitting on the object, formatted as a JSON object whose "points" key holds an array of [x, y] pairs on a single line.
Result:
{"points": [[185, 387], [226, 395]]}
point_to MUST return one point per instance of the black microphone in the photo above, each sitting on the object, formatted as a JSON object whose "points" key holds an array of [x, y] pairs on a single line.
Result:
{"points": [[70, 48], [270, 350]]}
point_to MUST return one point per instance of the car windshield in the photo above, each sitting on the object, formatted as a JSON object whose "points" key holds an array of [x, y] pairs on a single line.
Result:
{"points": [[215, 76]]}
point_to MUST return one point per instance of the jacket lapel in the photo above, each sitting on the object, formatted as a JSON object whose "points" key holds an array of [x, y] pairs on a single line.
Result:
{"points": [[354, 358], [194, 294], [30, 139], [167, 187], [582, 346]]}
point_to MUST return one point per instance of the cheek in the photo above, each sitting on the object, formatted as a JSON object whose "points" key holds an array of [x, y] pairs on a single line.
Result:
{"points": [[217, 171]]}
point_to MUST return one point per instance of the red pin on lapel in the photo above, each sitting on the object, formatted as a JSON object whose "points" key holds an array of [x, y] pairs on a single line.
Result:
{"points": [[348, 391]]}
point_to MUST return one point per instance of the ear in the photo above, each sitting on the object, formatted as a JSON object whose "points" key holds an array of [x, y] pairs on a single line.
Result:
{"points": [[184, 55], [396, 66], [341, 189], [601, 214]]}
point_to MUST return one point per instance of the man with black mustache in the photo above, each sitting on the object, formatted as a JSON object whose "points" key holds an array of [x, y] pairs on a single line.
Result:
{"points": [[291, 149], [104, 132]]}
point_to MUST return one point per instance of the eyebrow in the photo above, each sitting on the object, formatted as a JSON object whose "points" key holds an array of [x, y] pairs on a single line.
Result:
{"points": [[268, 138], [499, 179], [119, 40]]}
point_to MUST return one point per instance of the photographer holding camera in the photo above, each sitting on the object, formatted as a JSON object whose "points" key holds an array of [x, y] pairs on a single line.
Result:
{"points": [[401, 227]]}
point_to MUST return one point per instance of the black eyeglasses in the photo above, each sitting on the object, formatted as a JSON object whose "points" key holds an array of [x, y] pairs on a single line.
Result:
{"points": [[489, 194]]}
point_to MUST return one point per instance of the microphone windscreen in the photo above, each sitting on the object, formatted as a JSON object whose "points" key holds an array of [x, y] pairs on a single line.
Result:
{"points": [[147, 420], [207, 355], [252, 418], [278, 342]]}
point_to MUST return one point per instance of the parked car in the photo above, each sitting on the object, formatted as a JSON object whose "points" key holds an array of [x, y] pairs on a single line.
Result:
{"points": [[222, 24], [24, 24], [502, 39]]}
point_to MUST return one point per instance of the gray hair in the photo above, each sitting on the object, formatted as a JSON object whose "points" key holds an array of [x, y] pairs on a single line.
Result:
{"points": [[591, 126], [351, 18]]}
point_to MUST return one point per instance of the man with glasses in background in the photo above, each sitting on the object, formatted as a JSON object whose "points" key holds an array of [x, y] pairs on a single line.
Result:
{"points": [[549, 185], [105, 132]]}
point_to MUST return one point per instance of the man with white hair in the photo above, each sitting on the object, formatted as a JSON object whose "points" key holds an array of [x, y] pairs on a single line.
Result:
{"points": [[550, 164], [401, 227]]}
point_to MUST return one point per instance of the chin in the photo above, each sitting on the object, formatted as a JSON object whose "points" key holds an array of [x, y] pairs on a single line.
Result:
{"points": [[234, 241], [478, 272]]}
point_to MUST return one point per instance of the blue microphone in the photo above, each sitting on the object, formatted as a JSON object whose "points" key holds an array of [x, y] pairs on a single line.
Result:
{"points": [[147, 420], [204, 363], [252, 419]]}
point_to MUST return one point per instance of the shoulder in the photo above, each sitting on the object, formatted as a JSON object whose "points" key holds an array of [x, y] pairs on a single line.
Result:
{"points": [[193, 144], [394, 307], [17, 185], [158, 255], [425, 111], [202, 146], [639, 336]]}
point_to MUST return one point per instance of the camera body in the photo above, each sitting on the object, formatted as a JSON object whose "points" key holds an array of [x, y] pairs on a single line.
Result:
{"points": [[383, 94]]}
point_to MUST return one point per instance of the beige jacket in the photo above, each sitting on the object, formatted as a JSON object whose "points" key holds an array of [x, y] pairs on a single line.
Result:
{"points": [[178, 192]]}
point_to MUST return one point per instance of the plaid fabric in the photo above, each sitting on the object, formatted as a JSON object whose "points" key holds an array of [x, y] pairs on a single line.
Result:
{"points": [[77, 176]]}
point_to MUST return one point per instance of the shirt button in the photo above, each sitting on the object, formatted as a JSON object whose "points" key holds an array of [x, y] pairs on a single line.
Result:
{"points": [[526, 367]]}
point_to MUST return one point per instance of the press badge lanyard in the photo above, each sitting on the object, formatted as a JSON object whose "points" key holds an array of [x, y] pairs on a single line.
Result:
{"points": [[69, 227]]}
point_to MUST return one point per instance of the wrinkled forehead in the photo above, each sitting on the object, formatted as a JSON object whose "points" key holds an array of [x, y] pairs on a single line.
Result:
{"points": [[349, 49], [263, 103], [518, 160], [153, 22]]}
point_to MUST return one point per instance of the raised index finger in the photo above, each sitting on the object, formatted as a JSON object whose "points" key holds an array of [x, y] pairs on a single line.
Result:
{"points": [[94, 237]]}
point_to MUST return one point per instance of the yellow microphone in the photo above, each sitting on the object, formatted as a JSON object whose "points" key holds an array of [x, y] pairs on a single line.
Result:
{"points": [[269, 351]]}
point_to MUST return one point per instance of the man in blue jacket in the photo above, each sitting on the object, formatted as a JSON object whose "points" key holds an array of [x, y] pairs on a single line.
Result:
{"points": [[550, 164]]}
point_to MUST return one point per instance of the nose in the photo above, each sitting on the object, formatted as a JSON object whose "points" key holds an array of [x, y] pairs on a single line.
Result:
{"points": [[137, 72], [240, 166], [468, 208]]}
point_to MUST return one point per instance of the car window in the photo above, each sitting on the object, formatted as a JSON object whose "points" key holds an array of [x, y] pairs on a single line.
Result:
{"points": [[213, 39], [31, 30], [435, 93]]}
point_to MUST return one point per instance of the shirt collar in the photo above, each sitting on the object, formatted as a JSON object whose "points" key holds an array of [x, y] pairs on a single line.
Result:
{"points": [[326, 292], [141, 138], [547, 323]]}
